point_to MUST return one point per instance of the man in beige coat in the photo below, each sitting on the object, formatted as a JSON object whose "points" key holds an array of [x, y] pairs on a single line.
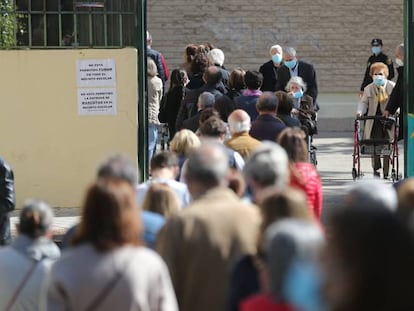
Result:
{"points": [[200, 244]]}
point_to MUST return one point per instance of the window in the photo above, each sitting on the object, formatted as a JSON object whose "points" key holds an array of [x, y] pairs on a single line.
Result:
{"points": [[68, 23]]}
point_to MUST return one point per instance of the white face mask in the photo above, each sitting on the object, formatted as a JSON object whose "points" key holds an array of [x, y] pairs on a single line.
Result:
{"points": [[399, 62]]}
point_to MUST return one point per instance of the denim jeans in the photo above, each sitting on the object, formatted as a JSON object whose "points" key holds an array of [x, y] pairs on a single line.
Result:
{"points": [[152, 139]]}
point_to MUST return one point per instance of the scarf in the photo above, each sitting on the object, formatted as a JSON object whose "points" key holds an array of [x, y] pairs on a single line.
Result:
{"points": [[381, 94]]}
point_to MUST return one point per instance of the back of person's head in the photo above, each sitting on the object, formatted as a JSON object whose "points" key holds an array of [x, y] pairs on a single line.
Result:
{"points": [[236, 79], [205, 114], [371, 193], [118, 167], [184, 141], [285, 103], [287, 243], [267, 166], [368, 260], [213, 127], [224, 106], [205, 100], [239, 121], [207, 165], [216, 56], [253, 79], [178, 78], [152, 70], [213, 76], [267, 102], [199, 63], [164, 159], [36, 219], [110, 217], [161, 199], [292, 139], [149, 38], [190, 52]]}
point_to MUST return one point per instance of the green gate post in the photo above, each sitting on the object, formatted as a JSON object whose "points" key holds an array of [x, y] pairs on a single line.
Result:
{"points": [[142, 89], [408, 107]]}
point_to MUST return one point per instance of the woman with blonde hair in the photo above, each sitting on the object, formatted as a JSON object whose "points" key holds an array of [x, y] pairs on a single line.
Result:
{"points": [[182, 143], [303, 175], [108, 268], [373, 103]]}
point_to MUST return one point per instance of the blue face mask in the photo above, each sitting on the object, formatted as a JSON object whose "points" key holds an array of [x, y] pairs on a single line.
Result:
{"points": [[303, 286], [376, 50], [291, 63], [379, 81], [277, 58], [298, 94]]}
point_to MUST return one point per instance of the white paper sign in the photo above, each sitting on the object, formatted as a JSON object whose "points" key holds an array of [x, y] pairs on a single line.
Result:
{"points": [[96, 72], [98, 101]]}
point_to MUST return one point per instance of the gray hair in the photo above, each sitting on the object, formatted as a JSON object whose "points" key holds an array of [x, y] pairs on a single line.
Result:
{"points": [[287, 242], [239, 126], [299, 81], [119, 167], [268, 166], [151, 67], [267, 102], [206, 100], [208, 164], [216, 56], [289, 51], [400, 48], [373, 193], [36, 218]]}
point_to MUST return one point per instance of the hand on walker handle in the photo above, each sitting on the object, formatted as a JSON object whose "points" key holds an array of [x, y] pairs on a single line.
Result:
{"points": [[358, 115], [386, 114]]}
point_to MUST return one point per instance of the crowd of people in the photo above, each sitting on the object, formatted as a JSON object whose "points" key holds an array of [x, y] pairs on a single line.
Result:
{"points": [[231, 216]]}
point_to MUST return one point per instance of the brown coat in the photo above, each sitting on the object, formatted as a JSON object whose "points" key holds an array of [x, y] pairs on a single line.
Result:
{"points": [[243, 143], [200, 244], [369, 104]]}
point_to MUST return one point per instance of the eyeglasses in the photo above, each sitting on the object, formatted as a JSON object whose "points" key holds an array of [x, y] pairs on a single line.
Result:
{"points": [[378, 74]]}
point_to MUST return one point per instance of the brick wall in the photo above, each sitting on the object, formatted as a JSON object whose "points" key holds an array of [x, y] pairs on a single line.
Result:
{"points": [[333, 35]]}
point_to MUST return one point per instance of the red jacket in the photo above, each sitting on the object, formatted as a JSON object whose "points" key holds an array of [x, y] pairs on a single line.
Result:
{"points": [[263, 302], [305, 177]]}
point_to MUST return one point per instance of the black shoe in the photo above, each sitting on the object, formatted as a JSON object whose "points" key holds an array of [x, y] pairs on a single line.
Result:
{"points": [[376, 174]]}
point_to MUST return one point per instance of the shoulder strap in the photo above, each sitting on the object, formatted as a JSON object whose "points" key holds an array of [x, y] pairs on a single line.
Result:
{"points": [[100, 298], [21, 286]]}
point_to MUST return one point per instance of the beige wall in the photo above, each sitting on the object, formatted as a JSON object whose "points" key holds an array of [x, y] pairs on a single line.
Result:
{"points": [[54, 151], [334, 35]]}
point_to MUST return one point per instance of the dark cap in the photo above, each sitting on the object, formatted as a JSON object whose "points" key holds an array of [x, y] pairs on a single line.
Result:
{"points": [[376, 42]]}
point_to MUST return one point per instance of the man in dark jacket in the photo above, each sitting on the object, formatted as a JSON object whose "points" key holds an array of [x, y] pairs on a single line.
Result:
{"points": [[293, 67], [267, 126], [397, 96], [269, 69], [377, 56], [159, 60], [7, 201]]}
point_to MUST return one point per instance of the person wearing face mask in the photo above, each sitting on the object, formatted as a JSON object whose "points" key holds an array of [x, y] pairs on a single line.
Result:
{"points": [[373, 103], [377, 56], [269, 69], [292, 67], [397, 95]]}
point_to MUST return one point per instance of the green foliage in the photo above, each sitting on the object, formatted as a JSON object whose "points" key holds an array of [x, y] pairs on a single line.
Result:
{"points": [[8, 24]]}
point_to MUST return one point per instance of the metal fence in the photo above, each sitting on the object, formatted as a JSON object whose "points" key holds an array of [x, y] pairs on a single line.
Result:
{"points": [[68, 23]]}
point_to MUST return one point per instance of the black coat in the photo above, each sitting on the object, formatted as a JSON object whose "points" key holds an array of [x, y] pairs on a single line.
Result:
{"points": [[269, 72], [397, 99], [7, 201], [306, 71], [380, 58]]}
